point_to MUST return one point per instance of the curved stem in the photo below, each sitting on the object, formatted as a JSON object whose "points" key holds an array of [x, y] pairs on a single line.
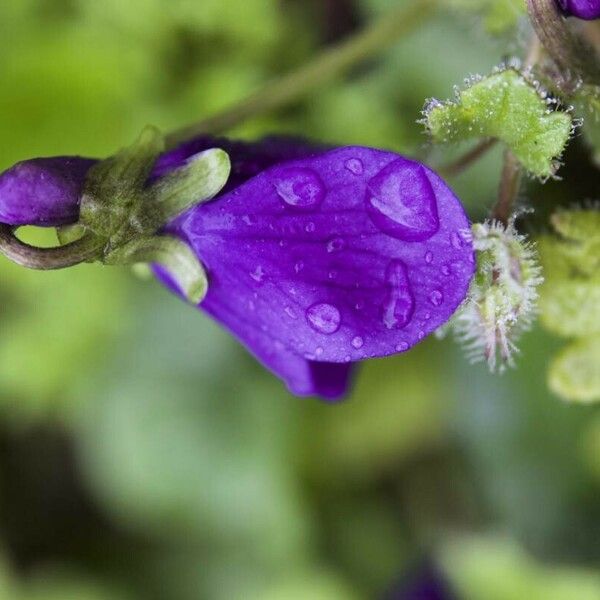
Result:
{"points": [[331, 63], [466, 160], [571, 52], [84, 249]]}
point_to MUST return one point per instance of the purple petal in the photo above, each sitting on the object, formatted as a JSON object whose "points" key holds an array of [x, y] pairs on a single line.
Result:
{"points": [[583, 9], [335, 258], [43, 191]]}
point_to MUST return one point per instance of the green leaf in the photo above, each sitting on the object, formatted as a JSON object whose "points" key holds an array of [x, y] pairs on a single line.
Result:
{"points": [[571, 307], [578, 225], [506, 106], [574, 374]]}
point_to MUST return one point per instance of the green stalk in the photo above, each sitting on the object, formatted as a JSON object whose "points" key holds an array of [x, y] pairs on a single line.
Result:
{"points": [[331, 63]]}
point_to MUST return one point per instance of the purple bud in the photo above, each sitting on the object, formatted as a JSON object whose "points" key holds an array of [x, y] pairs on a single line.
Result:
{"points": [[583, 9], [43, 191]]}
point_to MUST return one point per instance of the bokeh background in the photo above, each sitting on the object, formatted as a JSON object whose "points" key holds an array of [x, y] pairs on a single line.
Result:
{"points": [[145, 455]]}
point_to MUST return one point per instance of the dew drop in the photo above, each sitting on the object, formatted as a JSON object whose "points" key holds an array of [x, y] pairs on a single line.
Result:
{"points": [[400, 304], [357, 342], [446, 270], [401, 201], [289, 311], [456, 240], [318, 351], [402, 347], [258, 274], [324, 318], [436, 297], [428, 257], [333, 274], [355, 166], [335, 245], [299, 266], [310, 227], [347, 358], [299, 187]]}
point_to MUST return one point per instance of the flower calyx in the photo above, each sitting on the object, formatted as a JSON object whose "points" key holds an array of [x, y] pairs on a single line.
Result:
{"points": [[123, 215]]}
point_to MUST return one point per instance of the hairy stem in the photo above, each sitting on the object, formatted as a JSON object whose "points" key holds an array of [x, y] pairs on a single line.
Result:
{"points": [[330, 63], [457, 166], [84, 249], [510, 182]]}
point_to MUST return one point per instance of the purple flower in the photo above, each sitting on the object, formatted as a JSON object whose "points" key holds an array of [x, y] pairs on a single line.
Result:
{"points": [[583, 9], [316, 258]]}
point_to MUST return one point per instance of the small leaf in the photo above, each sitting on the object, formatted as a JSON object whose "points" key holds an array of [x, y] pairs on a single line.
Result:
{"points": [[578, 225], [574, 374], [504, 105]]}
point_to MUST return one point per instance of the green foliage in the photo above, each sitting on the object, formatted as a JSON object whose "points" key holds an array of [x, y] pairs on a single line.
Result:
{"points": [[587, 106], [496, 568], [575, 374], [570, 301], [507, 106], [499, 15]]}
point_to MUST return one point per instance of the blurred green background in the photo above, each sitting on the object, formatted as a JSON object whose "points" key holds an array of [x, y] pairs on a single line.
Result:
{"points": [[145, 455]]}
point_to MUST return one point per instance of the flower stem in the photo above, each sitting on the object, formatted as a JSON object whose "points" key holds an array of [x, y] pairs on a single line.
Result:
{"points": [[466, 160], [87, 248], [330, 63], [510, 182], [571, 52]]}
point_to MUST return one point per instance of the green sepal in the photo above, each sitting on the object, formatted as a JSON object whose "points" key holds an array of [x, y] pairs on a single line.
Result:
{"points": [[198, 181], [506, 106], [575, 374], [172, 253], [112, 204]]}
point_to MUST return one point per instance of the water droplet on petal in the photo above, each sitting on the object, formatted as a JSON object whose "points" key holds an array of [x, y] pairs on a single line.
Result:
{"points": [[428, 257], [299, 266], [258, 274], [299, 187], [446, 270], [456, 240], [400, 304], [401, 201], [319, 351], [436, 297], [310, 227], [357, 342], [324, 318], [402, 347], [335, 245], [354, 165], [289, 311], [333, 274]]}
